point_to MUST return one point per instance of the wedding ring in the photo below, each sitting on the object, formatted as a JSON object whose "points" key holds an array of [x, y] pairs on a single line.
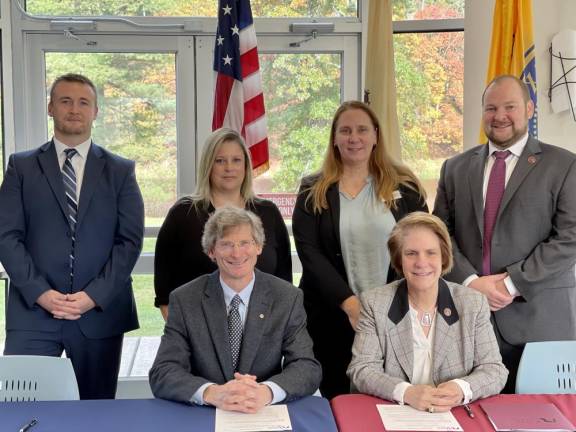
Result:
{"points": [[430, 409]]}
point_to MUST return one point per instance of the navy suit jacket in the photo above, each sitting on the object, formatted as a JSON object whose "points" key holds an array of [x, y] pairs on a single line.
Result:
{"points": [[35, 239]]}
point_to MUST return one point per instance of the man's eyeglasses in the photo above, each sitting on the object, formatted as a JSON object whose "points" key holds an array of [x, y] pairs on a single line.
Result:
{"points": [[228, 246]]}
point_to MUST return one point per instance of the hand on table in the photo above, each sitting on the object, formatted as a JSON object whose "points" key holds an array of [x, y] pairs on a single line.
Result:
{"points": [[434, 399], [241, 394]]}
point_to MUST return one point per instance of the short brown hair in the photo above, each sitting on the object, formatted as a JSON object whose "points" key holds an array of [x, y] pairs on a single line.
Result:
{"points": [[420, 220], [521, 84], [76, 78]]}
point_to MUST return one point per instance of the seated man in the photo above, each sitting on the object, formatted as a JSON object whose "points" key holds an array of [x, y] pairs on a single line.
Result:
{"points": [[235, 339]]}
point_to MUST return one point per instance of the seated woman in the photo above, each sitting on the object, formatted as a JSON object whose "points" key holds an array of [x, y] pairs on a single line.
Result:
{"points": [[421, 340]]}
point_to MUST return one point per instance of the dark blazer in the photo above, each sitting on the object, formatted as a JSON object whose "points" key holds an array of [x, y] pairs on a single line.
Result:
{"points": [[179, 257], [534, 238], [195, 348], [324, 280], [464, 343], [35, 239]]}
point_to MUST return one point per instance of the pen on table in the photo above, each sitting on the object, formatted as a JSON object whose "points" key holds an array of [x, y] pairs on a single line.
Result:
{"points": [[28, 425], [469, 411]]}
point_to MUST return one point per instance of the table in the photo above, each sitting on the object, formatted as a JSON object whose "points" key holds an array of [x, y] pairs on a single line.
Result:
{"points": [[356, 412], [310, 414]]}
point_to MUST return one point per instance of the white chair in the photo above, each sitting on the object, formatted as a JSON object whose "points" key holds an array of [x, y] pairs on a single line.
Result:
{"points": [[37, 378], [547, 367]]}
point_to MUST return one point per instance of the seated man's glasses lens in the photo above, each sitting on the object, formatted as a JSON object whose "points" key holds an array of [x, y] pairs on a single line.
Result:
{"points": [[228, 246]]}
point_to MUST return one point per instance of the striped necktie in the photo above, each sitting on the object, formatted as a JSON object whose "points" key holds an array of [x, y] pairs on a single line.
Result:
{"points": [[69, 178]]}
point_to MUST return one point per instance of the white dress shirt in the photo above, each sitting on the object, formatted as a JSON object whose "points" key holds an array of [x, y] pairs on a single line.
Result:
{"points": [[511, 161], [78, 161], [422, 364]]}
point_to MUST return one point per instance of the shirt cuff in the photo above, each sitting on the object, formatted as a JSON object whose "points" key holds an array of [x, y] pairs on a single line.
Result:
{"points": [[511, 287], [466, 390], [399, 390], [278, 393], [198, 396], [469, 279]]}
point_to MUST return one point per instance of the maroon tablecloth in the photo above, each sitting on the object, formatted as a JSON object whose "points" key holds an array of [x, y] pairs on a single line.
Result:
{"points": [[358, 413]]}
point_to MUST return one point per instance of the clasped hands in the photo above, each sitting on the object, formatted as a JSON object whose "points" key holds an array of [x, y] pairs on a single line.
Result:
{"points": [[434, 399], [66, 306], [243, 394], [493, 287]]}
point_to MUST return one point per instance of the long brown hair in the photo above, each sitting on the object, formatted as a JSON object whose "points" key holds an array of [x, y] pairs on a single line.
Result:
{"points": [[387, 173]]}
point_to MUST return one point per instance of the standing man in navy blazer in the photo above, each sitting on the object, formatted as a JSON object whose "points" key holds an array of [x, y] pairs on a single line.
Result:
{"points": [[525, 264], [71, 228]]}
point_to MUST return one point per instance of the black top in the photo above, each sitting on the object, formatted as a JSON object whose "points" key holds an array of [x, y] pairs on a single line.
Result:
{"points": [[179, 257]]}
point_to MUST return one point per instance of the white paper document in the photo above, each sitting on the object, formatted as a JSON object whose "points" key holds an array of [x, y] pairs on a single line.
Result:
{"points": [[269, 418], [406, 418]]}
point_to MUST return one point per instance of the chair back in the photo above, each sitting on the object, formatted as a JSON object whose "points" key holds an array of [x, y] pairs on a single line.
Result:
{"points": [[37, 378], [547, 367]]}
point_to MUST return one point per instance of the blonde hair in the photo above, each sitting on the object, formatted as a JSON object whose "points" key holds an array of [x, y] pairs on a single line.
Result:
{"points": [[201, 196], [387, 173], [419, 220]]}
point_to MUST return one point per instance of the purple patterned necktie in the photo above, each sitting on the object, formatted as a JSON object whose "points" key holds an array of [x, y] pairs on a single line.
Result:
{"points": [[494, 195]]}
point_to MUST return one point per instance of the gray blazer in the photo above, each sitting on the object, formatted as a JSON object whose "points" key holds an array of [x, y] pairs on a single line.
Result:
{"points": [[464, 344], [534, 238], [195, 349]]}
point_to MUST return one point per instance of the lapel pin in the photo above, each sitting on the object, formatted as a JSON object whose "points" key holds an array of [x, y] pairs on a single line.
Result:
{"points": [[532, 160], [261, 316], [447, 312]]}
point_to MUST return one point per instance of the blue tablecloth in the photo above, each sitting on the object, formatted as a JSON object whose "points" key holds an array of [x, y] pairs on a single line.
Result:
{"points": [[311, 414]]}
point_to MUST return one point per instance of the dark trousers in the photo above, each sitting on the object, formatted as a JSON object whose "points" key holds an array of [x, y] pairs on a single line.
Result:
{"points": [[510, 357], [96, 362], [333, 337]]}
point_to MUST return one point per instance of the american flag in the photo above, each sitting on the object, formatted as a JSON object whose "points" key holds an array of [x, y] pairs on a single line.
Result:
{"points": [[238, 98]]}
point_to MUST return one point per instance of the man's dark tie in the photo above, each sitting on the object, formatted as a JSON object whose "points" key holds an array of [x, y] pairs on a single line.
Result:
{"points": [[235, 330], [494, 194], [69, 178]]}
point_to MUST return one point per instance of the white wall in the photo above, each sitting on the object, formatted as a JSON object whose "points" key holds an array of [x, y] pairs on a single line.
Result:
{"points": [[550, 16]]}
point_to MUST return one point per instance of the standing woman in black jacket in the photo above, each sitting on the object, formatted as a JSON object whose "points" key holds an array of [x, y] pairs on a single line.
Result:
{"points": [[224, 179], [342, 220]]}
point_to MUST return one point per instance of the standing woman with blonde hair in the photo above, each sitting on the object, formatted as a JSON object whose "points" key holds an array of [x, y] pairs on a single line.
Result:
{"points": [[224, 178], [342, 220]]}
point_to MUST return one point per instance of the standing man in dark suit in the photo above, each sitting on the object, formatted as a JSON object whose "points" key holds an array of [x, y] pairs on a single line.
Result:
{"points": [[510, 207], [235, 339], [71, 228]]}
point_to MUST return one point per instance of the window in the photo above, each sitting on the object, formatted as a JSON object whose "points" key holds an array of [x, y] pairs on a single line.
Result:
{"points": [[191, 8], [427, 9], [3, 291], [301, 92], [429, 60]]}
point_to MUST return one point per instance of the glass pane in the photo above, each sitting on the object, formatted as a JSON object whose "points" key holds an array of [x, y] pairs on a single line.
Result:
{"points": [[136, 118], [301, 92], [197, 8], [151, 321], [3, 285], [429, 80], [427, 9]]}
